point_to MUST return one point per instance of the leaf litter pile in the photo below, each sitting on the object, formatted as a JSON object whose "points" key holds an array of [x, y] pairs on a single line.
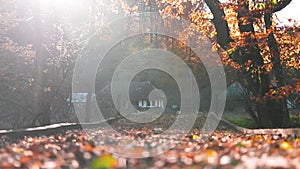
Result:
{"points": [[225, 148]]}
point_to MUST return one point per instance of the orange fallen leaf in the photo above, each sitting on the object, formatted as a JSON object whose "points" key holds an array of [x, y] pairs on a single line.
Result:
{"points": [[88, 147], [24, 160]]}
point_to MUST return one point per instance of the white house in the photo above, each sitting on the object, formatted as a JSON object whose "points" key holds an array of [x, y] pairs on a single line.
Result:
{"points": [[140, 91]]}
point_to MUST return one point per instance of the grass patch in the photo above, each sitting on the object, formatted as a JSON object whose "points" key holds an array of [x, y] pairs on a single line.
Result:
{"points": [[250, 124], [243, 122]]}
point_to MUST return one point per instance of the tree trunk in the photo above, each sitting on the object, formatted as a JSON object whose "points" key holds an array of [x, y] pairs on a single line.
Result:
{"points": [[45, 109], [42, 96], [276, 113], [271, 115]]}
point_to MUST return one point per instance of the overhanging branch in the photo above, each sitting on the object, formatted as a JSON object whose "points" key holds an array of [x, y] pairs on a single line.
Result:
{"points": [[281, 4], [221, 25]]}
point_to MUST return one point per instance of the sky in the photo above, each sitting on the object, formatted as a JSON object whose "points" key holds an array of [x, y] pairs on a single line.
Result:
{"points": [[291, 11]]}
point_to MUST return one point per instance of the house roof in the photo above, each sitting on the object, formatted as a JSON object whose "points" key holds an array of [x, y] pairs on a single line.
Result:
{"points": [[141, 90], [138, 90], [235, 91]]}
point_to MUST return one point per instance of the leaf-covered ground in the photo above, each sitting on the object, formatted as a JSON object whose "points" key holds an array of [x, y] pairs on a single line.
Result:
{"points": [[223, 149]]}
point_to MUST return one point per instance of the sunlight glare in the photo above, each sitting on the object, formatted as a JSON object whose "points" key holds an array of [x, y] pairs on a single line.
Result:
{"points": [[60, 5]]}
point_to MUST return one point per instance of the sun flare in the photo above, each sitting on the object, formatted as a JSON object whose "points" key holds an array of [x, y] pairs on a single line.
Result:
{"points": [[60, 5]]}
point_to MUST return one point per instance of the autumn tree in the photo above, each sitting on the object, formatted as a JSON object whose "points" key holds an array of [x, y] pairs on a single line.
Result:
{"points": [[38, 52], [247, 38]]}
